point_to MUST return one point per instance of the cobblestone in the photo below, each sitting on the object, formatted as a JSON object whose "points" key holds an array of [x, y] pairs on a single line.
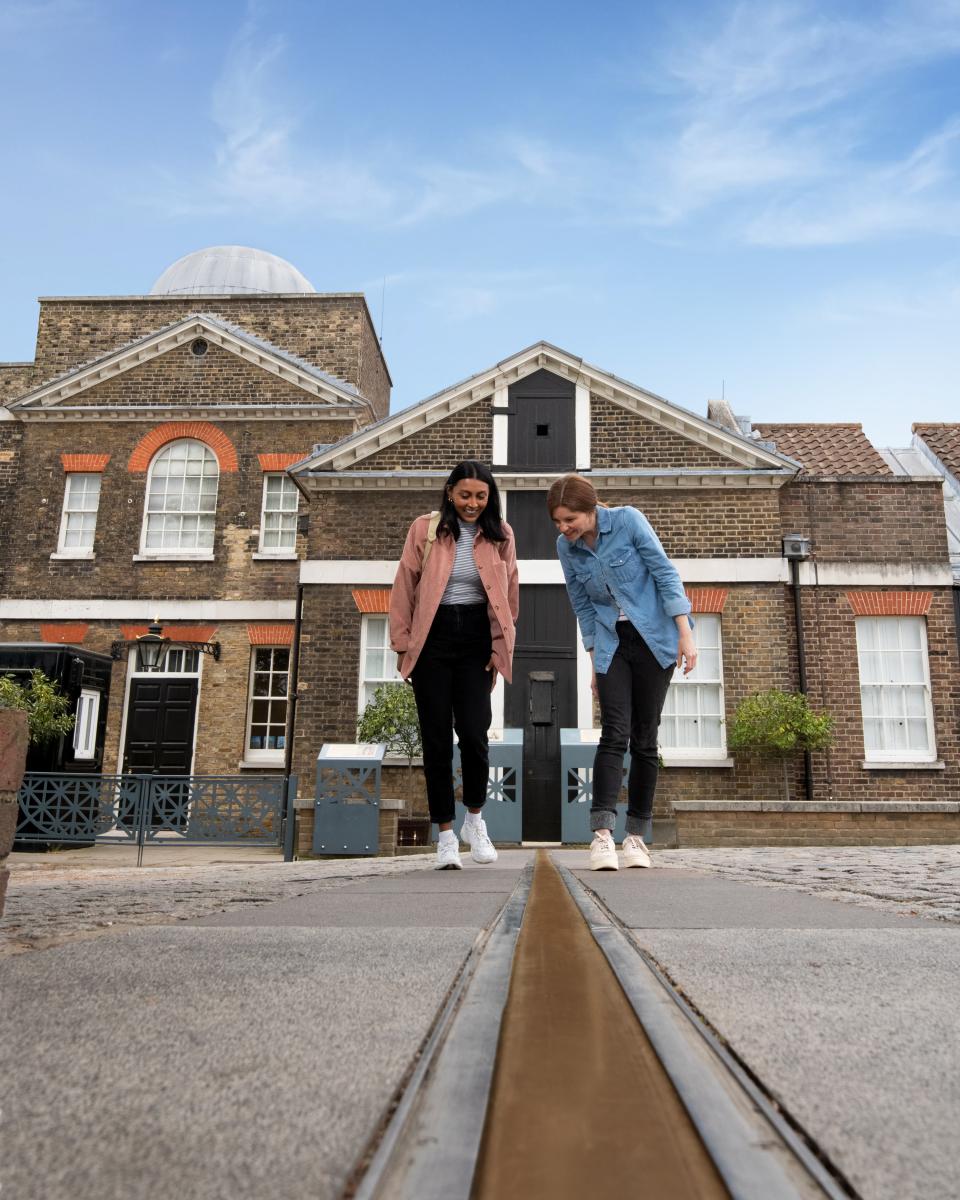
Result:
{"points": [[914, 880], [58, 904]]}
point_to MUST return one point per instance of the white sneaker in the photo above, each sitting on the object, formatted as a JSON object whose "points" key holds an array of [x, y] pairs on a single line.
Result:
{"points": [[448, 855], [635, 853], [603, 852], [474, 833]]}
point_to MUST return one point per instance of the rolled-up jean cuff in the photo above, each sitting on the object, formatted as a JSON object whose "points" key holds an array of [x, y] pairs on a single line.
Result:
{"points": [[641, 825], [602, 819]]}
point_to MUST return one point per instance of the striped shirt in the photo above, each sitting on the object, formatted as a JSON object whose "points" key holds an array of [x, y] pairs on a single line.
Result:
{"points": [[464, 586]]}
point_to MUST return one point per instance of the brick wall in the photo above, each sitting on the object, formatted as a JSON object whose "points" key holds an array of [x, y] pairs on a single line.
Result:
{"points": [[179, 377], [35, 510], [331, 332], [465, 434], [15, 378], [709, 522], [619, 439], [751, 828], [891, 518]]}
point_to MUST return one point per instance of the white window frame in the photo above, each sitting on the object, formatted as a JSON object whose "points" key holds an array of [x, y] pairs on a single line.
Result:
{"points": [[78, 482], [287, 487], [696, 684], [202, 553], [890, 685], [85, 725], [389, 659], [273, 755]]}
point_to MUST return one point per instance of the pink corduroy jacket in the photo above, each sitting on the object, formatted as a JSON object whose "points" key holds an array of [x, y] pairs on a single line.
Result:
{"points": [[416, 594]]}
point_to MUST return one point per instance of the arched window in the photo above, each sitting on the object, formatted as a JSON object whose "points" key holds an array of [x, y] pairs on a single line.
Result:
{"points": [[181, 499]]}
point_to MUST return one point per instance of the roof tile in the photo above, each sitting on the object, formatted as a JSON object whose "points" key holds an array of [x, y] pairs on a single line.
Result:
{"points": [[841, 449]]}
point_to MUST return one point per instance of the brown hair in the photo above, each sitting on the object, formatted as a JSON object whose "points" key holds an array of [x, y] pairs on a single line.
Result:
{"points": [[573, 492]]}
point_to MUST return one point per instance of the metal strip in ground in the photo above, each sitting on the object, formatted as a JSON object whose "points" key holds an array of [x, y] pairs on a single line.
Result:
{"points": [[748, 1150], [429, 1148]]}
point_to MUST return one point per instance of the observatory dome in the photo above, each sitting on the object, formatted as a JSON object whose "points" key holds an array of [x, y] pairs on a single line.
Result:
{"points": [[230, 269]]}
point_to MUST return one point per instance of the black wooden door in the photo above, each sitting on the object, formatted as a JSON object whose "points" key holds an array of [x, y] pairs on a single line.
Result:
{"points": [[541, 430], [541, 700], [160, 723]]}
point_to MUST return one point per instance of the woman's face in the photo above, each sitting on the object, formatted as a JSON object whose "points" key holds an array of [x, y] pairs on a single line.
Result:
{"points": [[574, 524], [469, 497]]}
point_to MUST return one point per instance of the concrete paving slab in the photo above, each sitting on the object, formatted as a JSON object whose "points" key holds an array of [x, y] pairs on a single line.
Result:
{"points": [[855, 1031], [677, 899], [447, 905], [181, 1062]]}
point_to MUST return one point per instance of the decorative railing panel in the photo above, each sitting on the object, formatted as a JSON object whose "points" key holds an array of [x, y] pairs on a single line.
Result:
{"points": [[503, 811], [577, 750], [346, 811], [153, 809]]}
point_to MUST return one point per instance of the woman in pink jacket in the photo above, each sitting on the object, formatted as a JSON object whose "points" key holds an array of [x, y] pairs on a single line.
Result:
{"points": [[452, 613]]}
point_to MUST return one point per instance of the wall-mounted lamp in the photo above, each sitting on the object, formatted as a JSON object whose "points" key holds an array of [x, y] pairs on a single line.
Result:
{"points": [[152, 645]]}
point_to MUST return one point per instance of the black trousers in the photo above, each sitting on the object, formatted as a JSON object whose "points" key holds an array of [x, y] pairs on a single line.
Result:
{"points": [[452, 689], [631, 694]]}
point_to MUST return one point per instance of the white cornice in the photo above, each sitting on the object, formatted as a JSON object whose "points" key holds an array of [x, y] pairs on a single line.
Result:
{"points": [[146, 610], [687, 478], [145, 350], [773, 570], [544, 356], [220, 412]]}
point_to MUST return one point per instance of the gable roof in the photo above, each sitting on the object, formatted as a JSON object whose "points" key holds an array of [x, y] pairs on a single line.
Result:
{"points": [[941, 441], [827, 449], [310, 379], [743, 451]]}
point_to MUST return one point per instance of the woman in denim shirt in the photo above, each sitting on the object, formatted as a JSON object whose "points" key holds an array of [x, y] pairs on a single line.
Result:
{"points": [[633, 617]]}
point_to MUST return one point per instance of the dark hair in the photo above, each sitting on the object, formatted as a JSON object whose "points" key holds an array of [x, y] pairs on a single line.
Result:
{"points": [[490, 520], [573, 492]]}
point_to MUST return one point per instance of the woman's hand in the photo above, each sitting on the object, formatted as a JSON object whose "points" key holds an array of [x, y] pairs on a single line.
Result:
{"points": [[686, 651], [491, 667]]}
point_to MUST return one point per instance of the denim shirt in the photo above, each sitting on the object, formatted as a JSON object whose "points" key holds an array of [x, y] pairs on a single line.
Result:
{"points": [[627, 569]]}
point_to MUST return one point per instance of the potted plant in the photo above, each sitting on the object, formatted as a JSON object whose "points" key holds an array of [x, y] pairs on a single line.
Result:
{"points": [[778, 725], [31, 712]]}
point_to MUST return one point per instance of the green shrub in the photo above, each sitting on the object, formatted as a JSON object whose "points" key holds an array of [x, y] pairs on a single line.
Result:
{"points": [[42, 701], [391, 717], [777, 724]]}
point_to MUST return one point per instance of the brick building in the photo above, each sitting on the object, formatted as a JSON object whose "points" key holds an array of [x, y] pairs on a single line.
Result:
{"points": [[876, 616], [219, 455], [143, 460]]}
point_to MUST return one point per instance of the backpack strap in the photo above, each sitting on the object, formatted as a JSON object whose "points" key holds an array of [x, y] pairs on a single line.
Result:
{"points": [[431, 537]]}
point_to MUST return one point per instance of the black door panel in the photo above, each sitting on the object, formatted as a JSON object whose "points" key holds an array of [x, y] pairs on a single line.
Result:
{"points": [[541, 700]]}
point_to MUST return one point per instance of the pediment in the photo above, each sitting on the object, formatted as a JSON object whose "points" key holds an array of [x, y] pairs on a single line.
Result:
{"points": [[75, 389], [719, 447]]}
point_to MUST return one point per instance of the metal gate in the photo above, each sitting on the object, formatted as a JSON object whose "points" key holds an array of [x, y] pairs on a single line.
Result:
{"points": [[157, 810]]}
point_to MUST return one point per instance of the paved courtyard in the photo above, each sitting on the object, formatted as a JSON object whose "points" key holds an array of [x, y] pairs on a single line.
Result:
{"points": [[56, 898]]}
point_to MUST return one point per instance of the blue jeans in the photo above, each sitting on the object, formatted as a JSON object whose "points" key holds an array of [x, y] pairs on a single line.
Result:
{"points": [[632, 692]]}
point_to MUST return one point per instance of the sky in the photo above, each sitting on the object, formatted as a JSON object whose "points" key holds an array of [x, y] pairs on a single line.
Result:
{"points": [[759, 200]]}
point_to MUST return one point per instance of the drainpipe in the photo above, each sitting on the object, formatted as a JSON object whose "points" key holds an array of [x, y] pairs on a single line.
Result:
{"points": [[292, 687], [796, 549], [956, 611]]}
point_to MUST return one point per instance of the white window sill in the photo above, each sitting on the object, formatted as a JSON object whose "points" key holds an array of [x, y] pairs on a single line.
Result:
{"points": [[72, 556], [692, 761], [281, 556], [401, 760], [262, 764], [929, 765], [169, 556]]}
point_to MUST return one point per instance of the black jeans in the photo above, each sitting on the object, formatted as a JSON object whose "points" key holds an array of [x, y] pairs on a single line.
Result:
{"points": [[631, 693], [452, 688]]}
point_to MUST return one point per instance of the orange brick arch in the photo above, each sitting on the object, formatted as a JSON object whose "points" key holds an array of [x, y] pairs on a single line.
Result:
{"points": [[203, 431]]}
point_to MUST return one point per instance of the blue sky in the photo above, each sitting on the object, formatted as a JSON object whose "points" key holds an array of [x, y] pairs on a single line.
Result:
{"points": [[758, 197]]}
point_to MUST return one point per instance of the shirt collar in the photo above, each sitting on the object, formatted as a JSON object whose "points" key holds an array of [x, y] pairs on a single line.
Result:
{"points": [[604, 520]]}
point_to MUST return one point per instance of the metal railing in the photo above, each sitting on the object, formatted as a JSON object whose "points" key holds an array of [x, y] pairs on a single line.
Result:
{"points": [[157, 810]]}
